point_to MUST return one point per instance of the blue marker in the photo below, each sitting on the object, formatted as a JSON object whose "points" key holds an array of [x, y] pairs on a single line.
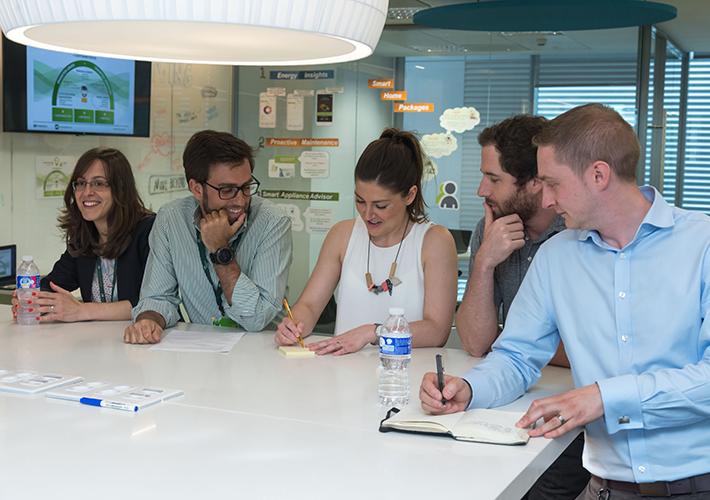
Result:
{"points": [[108, 404]]}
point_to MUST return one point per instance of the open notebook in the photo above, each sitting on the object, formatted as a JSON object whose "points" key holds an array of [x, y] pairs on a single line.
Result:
{"points": [[119, 396], [32, 382], [479, 425]]}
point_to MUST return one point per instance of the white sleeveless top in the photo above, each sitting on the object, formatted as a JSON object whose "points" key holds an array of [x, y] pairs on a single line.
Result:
{"points": [[358, 306]]}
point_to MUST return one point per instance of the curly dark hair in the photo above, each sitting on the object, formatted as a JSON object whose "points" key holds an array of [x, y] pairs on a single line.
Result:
{"points": [[395, 161], [81, 236], [512, 139]]}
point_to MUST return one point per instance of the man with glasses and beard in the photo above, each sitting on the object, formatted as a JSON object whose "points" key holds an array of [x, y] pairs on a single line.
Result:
{"points": [[503, 246], [223, 252]]}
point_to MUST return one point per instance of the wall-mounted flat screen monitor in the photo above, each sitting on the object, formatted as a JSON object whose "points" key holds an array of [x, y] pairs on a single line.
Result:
{"points": [[48, 92]]}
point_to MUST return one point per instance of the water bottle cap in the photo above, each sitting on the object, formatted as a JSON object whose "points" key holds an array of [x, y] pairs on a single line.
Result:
{"points": [[27, 258], [396, 311]]}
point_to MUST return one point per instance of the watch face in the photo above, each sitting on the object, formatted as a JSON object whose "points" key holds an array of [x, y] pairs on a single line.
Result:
{"points": [[224, 255]]}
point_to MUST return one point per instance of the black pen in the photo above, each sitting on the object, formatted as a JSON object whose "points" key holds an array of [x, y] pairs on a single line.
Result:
{"points": [[440, 374]]}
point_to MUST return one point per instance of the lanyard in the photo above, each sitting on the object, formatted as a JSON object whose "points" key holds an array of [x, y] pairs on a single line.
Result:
{"points": [[205, 267], [100, 277]]}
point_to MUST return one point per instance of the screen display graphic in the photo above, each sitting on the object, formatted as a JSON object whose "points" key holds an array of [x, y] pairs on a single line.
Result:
{"points": [[80, 94]]}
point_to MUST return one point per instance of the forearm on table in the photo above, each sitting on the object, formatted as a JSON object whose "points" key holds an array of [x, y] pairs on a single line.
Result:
{"points": [[429, 333], [477, 316], [109, 311], [152, 315]]}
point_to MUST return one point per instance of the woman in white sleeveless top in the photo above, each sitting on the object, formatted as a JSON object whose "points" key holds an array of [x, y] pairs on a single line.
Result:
{"points": [[361, 254]]}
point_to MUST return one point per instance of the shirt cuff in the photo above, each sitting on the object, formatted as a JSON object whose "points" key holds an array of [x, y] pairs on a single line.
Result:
{"points": [[481, 394], [622, 403], [166, 309]]}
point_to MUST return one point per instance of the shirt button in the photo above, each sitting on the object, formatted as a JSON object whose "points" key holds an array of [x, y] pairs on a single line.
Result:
{"points": [[622, 295], [642, 468], [527, 237], [623, 255], [529, 259], [624, 338]]}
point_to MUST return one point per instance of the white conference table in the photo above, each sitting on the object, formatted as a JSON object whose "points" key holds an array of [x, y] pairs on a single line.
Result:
{"points": [[252, 424]]}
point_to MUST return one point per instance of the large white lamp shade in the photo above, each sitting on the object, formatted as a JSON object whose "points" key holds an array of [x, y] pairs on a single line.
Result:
{"points": [[235, 32]]}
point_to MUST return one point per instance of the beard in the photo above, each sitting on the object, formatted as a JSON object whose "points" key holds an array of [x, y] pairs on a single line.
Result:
{"points": [[520, 203], [207, 207]]}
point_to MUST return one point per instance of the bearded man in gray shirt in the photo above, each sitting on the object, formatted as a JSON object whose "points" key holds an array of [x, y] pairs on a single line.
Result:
{"points": [[502, 248]]}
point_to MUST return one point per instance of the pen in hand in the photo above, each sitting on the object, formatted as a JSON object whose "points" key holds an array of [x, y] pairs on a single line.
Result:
{"points": [[440, 374], [288, 310]]}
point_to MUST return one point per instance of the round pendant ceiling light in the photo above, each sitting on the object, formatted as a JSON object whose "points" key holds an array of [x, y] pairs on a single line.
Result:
{"points": [[545, 15], [234, 32]]}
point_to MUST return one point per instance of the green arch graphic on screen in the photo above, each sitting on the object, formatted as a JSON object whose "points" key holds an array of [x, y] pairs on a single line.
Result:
{"points": [[86, 64]]}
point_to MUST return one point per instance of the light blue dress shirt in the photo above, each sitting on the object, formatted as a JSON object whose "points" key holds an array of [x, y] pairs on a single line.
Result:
{"points": [[174, 272], [632, 320]]}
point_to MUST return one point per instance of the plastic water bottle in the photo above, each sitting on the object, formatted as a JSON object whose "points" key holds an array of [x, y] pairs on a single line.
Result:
{"points": [[395, 354], [27, 284]]}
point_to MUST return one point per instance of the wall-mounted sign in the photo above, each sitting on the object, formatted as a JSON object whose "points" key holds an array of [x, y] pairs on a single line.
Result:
{"points": [[167, 183], [314, 164], [393, 95], [438, 145], [53, 174], [277, 91], [413, 107], [306, 143], [381, 84], [302, 75], [299, 195], [459, 119]]}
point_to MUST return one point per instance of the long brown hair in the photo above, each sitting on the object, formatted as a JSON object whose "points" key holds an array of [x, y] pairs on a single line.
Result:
{"points": [[395, 161], [81, 236]]}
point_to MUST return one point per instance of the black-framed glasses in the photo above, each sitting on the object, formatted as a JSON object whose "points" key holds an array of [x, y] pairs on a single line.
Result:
{"points": [[95, 185], [229, 192]]}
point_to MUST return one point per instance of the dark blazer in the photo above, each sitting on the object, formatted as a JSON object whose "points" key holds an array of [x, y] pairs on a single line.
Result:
{"points": [[71, 273]]}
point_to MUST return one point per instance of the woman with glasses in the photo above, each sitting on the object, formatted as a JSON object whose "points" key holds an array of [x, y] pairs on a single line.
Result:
{"points": [[106, 227], [390, 256]]}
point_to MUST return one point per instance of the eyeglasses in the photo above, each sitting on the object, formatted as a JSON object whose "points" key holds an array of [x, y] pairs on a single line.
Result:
{"points": [[95, 185], [229, 192]]}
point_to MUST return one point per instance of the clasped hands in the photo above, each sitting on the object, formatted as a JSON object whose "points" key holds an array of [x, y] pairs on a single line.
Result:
{"points": [[346, 343], [576, 408]]}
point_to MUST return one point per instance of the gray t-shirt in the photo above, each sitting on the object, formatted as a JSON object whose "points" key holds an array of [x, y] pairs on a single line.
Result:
{"points": [[509, 274]]}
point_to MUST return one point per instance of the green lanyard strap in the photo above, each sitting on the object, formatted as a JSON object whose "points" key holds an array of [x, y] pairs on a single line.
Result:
{"points": [[100, 277], [205, 267]]}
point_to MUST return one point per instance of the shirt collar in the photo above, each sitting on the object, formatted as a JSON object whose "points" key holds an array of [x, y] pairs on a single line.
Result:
{"points": [[660, 215]]}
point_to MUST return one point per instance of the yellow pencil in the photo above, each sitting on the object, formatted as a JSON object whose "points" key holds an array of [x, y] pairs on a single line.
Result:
{"points": [[288, 310]]}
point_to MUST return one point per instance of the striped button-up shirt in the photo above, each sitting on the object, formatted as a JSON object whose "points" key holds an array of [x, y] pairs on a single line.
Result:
{"points": [[174, 271]]}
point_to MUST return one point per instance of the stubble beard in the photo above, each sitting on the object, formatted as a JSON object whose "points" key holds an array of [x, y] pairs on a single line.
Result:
{"points": [[522, 204]]}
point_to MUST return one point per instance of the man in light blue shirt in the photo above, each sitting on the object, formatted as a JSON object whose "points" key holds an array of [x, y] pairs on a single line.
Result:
{"points": [[223, 252], [627, 291]]}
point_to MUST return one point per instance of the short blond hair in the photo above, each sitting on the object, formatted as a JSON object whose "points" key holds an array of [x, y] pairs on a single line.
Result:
{"points": [[589, 133]]}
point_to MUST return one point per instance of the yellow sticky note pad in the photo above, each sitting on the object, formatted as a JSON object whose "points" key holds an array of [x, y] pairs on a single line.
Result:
{"points": [[296, 351]]}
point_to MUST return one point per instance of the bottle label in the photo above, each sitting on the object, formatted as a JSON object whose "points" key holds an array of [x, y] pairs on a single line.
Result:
{"points": [[28, 282], [396, 346]]}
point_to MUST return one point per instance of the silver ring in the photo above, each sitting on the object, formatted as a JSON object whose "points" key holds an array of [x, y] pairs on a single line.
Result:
{"points": [[561, 419], [52, 308], [338, 342]]}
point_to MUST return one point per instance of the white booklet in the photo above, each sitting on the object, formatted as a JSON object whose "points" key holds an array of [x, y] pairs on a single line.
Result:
{"points": [[115, 396], [478, 424], [32, 382]]}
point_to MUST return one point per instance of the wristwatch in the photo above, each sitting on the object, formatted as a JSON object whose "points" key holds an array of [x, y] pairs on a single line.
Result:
{"points": [[377, 341], [223, 256]]}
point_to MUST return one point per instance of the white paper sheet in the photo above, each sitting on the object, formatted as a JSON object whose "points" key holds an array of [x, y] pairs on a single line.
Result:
{"points": [[196, 341]]}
